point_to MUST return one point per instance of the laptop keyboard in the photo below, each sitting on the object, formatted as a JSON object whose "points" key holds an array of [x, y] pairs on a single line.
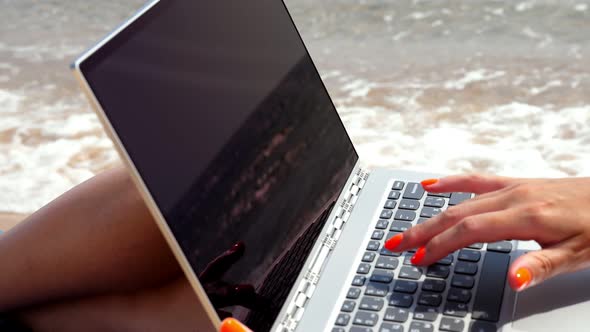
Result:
{"points": [[461, 292]]}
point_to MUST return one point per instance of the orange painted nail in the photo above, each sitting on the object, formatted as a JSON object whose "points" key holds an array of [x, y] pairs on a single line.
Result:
{"points": [[428, 182], [418, 256], [522, 278], [233, 325], [394, 242]]}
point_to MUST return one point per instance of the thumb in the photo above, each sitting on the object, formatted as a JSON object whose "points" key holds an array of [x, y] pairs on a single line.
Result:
{"points": [[537, 266], [233, 325]]}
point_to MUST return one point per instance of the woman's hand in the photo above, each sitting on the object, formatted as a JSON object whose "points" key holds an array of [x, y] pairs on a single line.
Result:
{"points": [[553, 212]]}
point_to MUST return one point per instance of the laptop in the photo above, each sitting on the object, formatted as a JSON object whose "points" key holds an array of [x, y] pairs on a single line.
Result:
{"points": [[221, 117]]}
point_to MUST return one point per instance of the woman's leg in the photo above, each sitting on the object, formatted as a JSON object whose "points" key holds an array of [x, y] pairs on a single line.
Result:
{"points": [[97, 238], [170, 307]]}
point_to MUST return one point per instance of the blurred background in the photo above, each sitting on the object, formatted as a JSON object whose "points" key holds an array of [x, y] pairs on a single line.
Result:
{"points": [[444, 86]]}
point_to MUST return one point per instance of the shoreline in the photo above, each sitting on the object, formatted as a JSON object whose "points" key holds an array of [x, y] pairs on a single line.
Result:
{"points": [[9, 220]]}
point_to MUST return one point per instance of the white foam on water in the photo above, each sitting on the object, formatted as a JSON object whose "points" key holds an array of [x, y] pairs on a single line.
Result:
{"points": [[9, 102], [473, 76]]}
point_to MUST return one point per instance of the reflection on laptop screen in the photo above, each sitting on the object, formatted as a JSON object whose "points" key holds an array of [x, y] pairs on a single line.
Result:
{"points": [[222, 112]]}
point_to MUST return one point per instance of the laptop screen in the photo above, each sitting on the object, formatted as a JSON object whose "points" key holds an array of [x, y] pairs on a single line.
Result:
{"points": [[225, 117]]}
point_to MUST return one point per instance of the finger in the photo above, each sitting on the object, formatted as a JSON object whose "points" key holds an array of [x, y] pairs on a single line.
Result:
{"points": [[471, 183], [421, 234], [233, 325], [537, 266], [216, 268], [486, 227]]}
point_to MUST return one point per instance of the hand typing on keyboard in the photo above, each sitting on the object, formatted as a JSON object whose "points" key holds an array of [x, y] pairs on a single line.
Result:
{"points": [[553, 212]]}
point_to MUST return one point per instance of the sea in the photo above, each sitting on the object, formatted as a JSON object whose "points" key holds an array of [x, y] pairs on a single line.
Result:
{"points": [[449, 87]]}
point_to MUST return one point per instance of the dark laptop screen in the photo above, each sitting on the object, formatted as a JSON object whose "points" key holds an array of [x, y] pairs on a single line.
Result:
{"points": [[224, 115]]}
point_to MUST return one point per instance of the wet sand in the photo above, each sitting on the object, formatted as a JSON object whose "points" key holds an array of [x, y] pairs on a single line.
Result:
{"points": [[9, 220]]}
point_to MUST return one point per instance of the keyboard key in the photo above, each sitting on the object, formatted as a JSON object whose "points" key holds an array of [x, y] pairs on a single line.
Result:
{"points": [[502, 246], [376, 289], [348, 306], [438, 271], [377, 235], [429, 212], [490, 290], [421, 220], [391, 327], [408, 259], [386, 214], [360, 329], [446, 261], [459, 295], [451, 324], [371, 303], [430, 299], [436, 202], [390, 204], [338, 329], [398, 185], [482, 327], [469, 255], [382, 276], [410, 272], [476, 246], [425, 313], [400, 226], [401, 300], [405, 286], [369, 256], [405, 215], [385, 252], [455, 309], [373, 245], [434, 285], [342, 319], [364, 268], [396, 315], [359, 281], [365, 318], [353, 293], [462, 281], [466, 268], [409, 204], [394, 194], [382, 224], [388, 263], [446, 195], [417, 326], [457, 198], [414, 191]]}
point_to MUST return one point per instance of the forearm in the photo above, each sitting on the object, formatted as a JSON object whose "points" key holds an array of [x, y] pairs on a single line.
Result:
{"points": [[99, 237]]}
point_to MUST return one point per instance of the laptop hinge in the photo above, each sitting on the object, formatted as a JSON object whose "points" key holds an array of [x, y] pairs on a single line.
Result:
{"points": [[307, 285]]}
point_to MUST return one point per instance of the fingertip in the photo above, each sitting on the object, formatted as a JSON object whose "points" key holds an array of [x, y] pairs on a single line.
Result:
{"points": [[428, 182], [394, 242], [520, 278], [233, 325]]}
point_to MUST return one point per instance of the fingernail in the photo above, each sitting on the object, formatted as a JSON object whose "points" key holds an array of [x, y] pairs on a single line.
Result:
{"points": [[233, 325], [428, 182], [394, 242], [522, 278], [418, 256]]}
